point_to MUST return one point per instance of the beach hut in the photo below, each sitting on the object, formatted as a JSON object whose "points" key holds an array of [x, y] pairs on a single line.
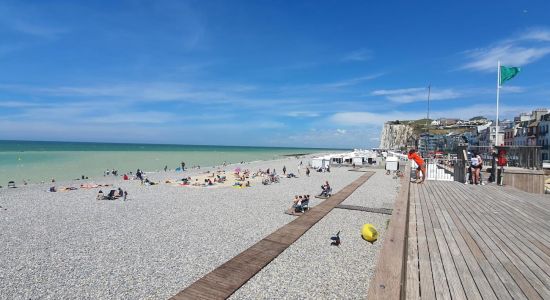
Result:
{"points": [[337, 159], [358, 160], [320, 162], [392, 163]]}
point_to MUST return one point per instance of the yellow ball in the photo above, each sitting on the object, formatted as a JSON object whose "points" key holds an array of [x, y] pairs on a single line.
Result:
{"points": [[369, 233]]}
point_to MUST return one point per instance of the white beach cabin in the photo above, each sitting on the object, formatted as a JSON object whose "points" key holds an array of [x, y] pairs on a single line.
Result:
{"points": [[320, 162], [358, 160]]}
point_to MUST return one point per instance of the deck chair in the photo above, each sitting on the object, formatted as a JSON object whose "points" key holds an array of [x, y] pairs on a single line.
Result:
{"points": [[11, 184]]}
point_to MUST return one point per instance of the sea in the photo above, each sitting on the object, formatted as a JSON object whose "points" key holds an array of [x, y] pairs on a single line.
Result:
{"points": [[36, 161]]}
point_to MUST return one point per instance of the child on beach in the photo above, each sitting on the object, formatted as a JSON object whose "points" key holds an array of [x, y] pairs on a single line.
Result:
{"points": [[421, 166]]}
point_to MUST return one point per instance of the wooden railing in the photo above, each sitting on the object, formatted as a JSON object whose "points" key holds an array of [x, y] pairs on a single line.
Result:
{"points": [[389, 278]]}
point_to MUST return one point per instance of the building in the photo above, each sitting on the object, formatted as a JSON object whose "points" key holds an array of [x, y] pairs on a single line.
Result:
{"points": [[528, 128], [509, 134], [487, 137], [543, 139]]}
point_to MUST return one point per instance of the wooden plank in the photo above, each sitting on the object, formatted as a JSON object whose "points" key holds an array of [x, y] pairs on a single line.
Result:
{"points": [[524, 202], [389, 278], [517, 237], [472, 269], [464, 280], [515, 257], [515, 224], [413, 277], [484, 264], [385, 211], [507, 273], [441, 283], [517, 269], [223, 281], [427, 289]]}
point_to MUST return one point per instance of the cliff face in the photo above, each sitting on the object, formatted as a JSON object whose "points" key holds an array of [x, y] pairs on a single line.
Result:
{"points": [[395, 136]]}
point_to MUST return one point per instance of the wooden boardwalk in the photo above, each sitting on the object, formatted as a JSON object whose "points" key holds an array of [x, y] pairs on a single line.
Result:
{"points": [[476, 242], [227, 278]]}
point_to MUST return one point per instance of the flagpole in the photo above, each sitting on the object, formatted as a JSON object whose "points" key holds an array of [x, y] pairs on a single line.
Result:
{"points": [[498, 98], [428, 120]]}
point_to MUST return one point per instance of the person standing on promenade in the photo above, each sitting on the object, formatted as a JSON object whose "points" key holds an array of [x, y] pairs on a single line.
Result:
{"points": [[476, 164], [421, 166]]}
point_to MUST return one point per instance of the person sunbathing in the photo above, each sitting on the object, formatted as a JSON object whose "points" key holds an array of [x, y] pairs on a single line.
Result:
{"points": [[326, 190], [295, 203]]}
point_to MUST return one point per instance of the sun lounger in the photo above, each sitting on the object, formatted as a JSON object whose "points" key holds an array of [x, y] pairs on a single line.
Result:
{"points": [[11, 184]]}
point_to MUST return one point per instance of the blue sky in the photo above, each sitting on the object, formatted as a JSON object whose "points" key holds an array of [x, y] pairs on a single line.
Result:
{"points": [[271, 73]]}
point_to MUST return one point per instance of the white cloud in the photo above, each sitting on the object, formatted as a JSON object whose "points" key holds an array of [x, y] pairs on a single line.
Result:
{"points": [[369, 118], [359, 55], [330, 86], [352, 81], [269, 125], [417, 94], [341, 131], [302, 114], [520, 50], [512, 89], [359, 137], [17, 104], [25, 19], [364, 118]]}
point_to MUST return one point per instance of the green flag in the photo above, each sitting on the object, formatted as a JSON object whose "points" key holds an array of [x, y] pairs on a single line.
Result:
{"points": [[507, 73]]}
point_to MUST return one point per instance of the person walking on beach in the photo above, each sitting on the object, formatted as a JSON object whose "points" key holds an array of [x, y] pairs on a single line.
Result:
{"points": [[284, 170], [165, 168], [307, 172], [421, 166], [125, 195], [182, 166]]}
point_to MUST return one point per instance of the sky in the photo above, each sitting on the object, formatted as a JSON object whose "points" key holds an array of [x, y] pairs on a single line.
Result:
{"points": [[262, 73]]}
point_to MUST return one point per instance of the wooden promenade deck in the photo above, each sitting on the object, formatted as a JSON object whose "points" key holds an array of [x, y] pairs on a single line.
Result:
{"points": [[476, 242], [227, 278]]}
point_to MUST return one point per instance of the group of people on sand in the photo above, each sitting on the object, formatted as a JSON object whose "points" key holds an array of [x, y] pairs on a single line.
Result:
{"points": [[300, 203], [86, 186], [113, 195], [110, 172]]}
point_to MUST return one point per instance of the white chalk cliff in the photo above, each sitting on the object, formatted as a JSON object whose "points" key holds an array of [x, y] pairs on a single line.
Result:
{"points": [[395, 136]]}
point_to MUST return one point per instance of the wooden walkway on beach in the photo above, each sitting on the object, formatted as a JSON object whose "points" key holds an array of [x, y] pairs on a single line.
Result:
{"points": [[227, 278], [470, 242]]}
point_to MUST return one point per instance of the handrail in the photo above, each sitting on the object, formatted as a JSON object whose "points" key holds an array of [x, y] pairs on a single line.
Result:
{"points": [[389, 278]]}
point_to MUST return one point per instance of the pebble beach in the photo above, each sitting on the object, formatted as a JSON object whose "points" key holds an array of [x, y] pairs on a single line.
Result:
{"points": [[165, 236]]}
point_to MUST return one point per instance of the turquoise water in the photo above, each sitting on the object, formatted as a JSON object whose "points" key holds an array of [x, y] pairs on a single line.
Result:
{"points": [[41, 161]]}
